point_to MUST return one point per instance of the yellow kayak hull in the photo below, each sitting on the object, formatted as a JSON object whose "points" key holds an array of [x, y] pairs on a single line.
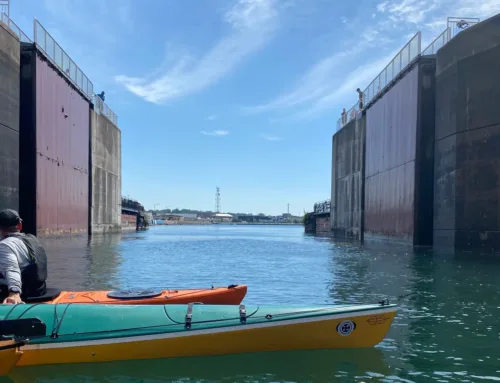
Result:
{"points": [[320, 332], [9, 356]]}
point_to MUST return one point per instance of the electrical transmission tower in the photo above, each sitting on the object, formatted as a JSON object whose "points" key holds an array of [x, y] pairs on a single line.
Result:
{"points": [[217, 199]]}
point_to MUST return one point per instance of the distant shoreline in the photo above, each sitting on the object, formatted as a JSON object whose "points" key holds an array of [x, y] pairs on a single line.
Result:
{"points": [[180, 223]]}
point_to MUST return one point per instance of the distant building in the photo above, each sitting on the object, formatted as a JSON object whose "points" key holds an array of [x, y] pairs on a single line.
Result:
{"points": [[254, 218], [223, 217], [177, 216], [172, 217], [190, 216]]}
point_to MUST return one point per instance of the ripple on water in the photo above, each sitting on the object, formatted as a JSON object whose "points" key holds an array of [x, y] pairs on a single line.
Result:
{"points": [[448, 303]]}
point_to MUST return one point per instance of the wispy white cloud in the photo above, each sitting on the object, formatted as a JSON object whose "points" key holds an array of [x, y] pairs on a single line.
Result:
{"points": [[211, 118], [482, 9], [431, 17], [433, 14], [330, 82], [315, 88], [218, 133], [271, 137], [346, 89], [411, 11], [252, 25]]}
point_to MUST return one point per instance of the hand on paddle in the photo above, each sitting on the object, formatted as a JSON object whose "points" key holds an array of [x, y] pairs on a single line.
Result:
{"points": [[13, 299]]}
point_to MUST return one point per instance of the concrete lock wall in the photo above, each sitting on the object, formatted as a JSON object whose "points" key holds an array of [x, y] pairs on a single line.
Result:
{"points": [[55, 133], [323, 224], [348, 167], [467, 155], [399, 156], [129, 222], [9, 118], [106, 175]]}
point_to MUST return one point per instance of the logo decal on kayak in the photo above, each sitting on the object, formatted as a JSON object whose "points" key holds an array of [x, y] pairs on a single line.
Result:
{"points": [[346, 327], [377, 319]]}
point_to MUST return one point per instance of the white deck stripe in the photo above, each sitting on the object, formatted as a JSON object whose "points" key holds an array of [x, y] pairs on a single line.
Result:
{"points": [[185, 333]]}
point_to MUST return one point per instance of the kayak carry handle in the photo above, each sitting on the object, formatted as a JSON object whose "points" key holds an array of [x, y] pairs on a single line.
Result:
{"points": [[243, 314], [23, 328], [189, 316]]}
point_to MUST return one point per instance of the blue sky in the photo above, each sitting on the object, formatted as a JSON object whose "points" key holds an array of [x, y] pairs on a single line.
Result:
{"points": [[240, 94]]}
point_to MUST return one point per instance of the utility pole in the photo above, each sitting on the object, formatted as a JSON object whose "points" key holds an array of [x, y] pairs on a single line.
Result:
{"points": [[153, 213]]}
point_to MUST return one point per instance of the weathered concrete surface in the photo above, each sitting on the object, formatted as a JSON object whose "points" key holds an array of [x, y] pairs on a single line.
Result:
{"points": [[348, 166], [399, 159], [323, 223], [467, 148], [9, 118], [106, 175], [129, 222], [309, 224]]}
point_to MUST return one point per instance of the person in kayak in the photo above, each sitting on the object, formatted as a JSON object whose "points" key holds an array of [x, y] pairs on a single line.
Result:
{"points": [[23, 261]]}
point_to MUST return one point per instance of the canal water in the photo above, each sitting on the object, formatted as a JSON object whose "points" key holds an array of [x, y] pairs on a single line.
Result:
{"points": [[446, 329]]}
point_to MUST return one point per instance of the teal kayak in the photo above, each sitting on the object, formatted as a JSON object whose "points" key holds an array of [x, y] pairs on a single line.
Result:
{"points": [[83, 333]]}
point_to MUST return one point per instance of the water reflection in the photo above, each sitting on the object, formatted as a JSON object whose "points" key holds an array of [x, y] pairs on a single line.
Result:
{"points": [[82, 263], [293, 366], [445, 331]]}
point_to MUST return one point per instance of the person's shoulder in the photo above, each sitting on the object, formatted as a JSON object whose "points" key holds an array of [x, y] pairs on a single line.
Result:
{"points": [[9, 240], [8, 244], [13, 243]]}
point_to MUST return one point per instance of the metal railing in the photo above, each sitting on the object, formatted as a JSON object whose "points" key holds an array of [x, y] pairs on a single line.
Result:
{"points": [[322, 207], [53, 51], [347, 116], [438, 42], [406, 56], [4, 18], [102, 108], [399, 63], [4, 7], [132, 204], [455, 26], [458, 24]]}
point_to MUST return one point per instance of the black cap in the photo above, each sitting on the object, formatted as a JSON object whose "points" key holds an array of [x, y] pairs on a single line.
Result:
{"points": [[9, 218]]}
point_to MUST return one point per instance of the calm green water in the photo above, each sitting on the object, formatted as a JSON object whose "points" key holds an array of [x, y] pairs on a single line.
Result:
{"points": [[446, 330]]}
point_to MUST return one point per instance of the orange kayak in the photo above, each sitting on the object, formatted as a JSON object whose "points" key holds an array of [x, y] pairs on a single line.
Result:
{"points": [[230, 295]]}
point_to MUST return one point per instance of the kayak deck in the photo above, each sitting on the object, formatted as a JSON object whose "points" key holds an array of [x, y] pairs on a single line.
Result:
{"points": [[99, 333], [231, 295]]}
